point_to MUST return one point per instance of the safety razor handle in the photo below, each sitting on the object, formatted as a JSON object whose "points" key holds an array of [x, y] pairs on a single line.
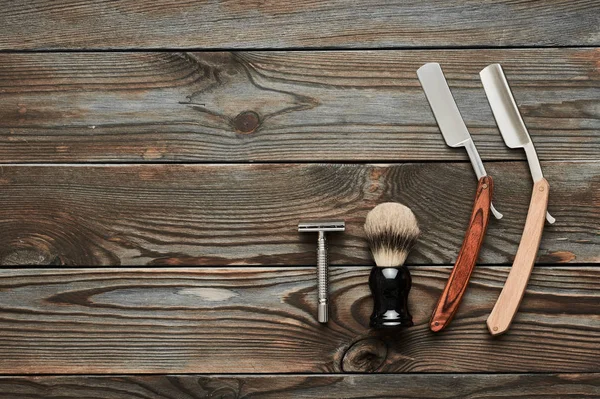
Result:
{"points": [[510, 298], [321, 227], [322, 279], [390, 287], [458, 281]]}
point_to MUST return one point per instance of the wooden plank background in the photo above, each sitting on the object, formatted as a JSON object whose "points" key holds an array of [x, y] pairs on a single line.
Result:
{"points": [[71, 24], [284, 106], [417, 386], [139, 215], [256, 320], [155, 159]]}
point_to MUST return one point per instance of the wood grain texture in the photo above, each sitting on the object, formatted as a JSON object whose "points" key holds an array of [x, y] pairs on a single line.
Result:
{"points": [[213, 215], [458, 281], [252, 320], [512, 293], [44, 24], [419, 386], [285, 106]]}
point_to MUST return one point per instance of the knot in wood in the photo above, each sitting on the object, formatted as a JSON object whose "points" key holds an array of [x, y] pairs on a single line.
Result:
{"points": [[31, 257], [224, 393], [219, 388], [246, 122], [366, 355]]}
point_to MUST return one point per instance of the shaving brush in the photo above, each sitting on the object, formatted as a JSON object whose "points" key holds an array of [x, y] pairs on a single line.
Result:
{"points": [[391, 231]]}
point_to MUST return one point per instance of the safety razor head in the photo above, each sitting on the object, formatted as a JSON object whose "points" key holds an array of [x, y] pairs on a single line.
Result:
{"points": [[319, 225]]}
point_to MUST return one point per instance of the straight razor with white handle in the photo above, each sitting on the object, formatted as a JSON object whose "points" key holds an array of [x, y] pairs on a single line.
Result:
{"points": [[515, 135], [455, 134]]}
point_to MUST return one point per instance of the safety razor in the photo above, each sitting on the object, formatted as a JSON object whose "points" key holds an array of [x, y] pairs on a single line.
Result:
{"points": [[322, 227]]}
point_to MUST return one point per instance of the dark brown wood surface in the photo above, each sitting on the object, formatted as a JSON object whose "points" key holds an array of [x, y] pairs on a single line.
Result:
{"points": [[457, 283], [71, 24], [416, 386], [93, 215], [177, 136], [261, 320], [285, 106]]}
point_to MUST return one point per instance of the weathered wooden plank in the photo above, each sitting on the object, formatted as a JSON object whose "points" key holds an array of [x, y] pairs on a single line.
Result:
{"points": [[439, 386], [44, 24], [92, 215], [284, 106], [250, 320]]}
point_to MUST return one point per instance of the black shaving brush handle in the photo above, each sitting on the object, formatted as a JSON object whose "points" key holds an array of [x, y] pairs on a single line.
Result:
{"points": [[390, 287]]}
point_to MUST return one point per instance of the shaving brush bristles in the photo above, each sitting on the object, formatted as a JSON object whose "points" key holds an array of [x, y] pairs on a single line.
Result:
{"points": [[392, 230]]}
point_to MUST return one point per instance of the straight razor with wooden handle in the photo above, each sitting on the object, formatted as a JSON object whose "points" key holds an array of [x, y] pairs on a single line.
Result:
{"points": [[515, 135], [455, 134]]}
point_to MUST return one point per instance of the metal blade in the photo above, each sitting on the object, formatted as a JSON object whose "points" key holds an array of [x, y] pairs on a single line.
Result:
{"points": [[448, 116], [443, 105], [504, 107], [508, 118]]}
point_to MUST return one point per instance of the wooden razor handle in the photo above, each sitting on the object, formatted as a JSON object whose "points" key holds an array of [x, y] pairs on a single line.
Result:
{"points": [[467, 257], [514, 288]]}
